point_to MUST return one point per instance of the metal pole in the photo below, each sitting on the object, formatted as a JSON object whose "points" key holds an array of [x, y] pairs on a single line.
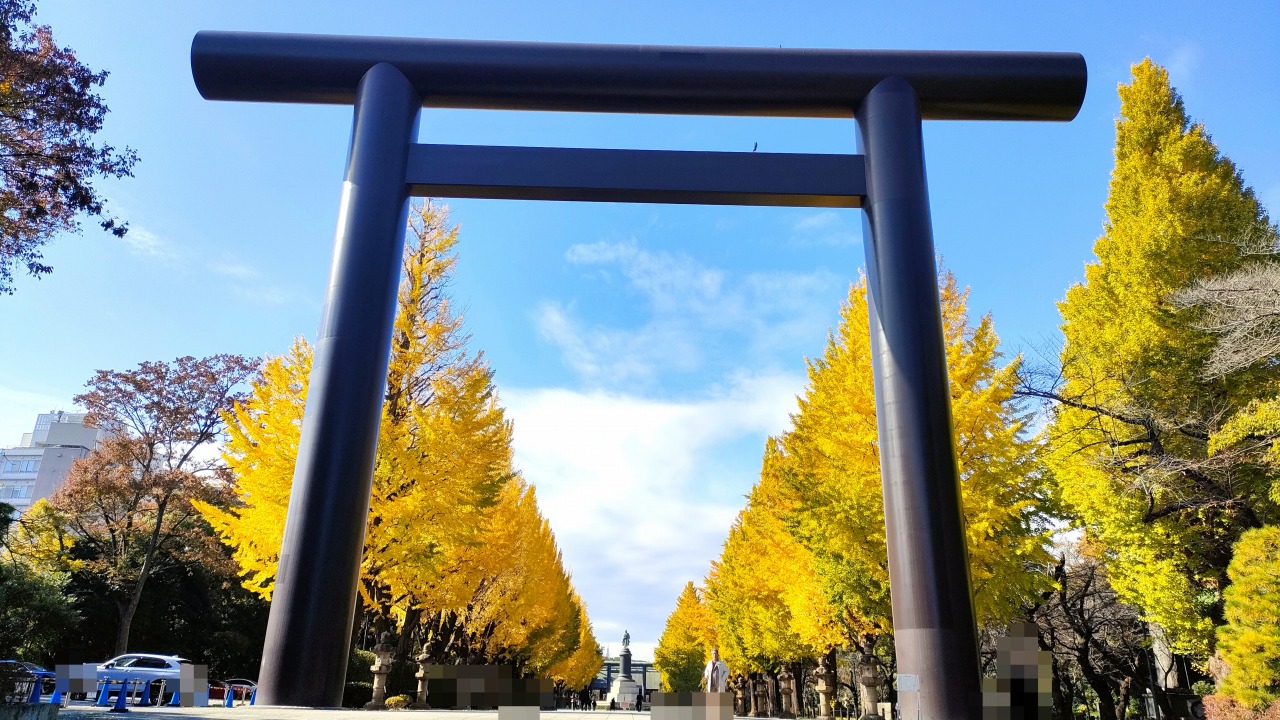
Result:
{"points": [[304, 660], [933, 621]]}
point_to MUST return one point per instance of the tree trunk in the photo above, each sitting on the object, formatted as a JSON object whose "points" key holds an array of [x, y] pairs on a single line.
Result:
{"points": [[127, 610], [1166, 668], [407, 628], [1106, 703]]}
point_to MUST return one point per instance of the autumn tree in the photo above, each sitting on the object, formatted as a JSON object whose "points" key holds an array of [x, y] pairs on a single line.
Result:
{"points": [[49, 115], [1133, 408], [456, 552], [682, 650], [764, 592], [1241, 308], [579, 668], [129, 503], [829, 468], [443, 448], [1249, 642]]}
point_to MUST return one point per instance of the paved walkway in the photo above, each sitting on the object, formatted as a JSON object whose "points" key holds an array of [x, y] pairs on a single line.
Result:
{"points": [[88, 711]]}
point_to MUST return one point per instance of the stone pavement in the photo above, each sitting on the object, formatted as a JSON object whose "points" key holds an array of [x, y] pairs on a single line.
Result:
{"points": [[88, 711]]}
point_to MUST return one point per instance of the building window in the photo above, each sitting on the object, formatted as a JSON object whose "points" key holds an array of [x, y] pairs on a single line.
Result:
{"points": [[21, 464], [16, 491]]}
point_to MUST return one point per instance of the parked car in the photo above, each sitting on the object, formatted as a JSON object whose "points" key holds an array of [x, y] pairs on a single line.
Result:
{"points": [[144, 666], [17, 676], [242, 688]]}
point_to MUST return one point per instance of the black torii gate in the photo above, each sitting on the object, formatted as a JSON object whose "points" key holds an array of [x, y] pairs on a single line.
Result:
{"points": [[389, 80]]}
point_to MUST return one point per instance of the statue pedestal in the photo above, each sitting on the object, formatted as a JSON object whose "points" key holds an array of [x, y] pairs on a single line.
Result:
{"points": [[624, 691]]}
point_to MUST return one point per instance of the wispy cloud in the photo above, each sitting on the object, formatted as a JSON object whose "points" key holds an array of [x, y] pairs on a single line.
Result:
{"points": [[833, 228], [690, 312], [1183, 62], [248, 283], [235, 270], [641, 492], [143, 242]]}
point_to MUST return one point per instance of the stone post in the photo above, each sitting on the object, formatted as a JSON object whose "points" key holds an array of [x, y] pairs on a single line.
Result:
{"points": [[420, 701], [785, 679], [823, 677], [382, 653]]}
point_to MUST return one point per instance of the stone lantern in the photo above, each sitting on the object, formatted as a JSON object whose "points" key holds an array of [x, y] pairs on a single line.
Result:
{"points": [[424, 662], [870, 678], [739, 688], [382, 653], [785, 689], [824, 683], [761, 708]]}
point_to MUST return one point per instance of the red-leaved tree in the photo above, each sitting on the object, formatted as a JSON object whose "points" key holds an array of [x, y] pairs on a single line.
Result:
{"points": [[129, 502]]}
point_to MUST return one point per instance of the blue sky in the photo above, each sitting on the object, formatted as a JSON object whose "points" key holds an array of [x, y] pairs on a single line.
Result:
{"points": [[644, 351]]}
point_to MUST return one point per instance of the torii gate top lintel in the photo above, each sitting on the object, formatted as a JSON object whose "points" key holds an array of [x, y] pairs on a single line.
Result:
{"points": [[951, 85]]}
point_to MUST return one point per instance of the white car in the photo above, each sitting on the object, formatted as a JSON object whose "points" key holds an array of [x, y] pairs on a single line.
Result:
{"points": [[143, 666]]}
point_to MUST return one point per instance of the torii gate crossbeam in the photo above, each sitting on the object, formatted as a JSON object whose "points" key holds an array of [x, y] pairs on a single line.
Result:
{"points": [[389, 80]]}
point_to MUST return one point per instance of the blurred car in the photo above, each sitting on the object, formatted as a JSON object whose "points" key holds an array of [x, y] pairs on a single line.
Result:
{"points": [[242, 689], [143, 666], [18, 673]]}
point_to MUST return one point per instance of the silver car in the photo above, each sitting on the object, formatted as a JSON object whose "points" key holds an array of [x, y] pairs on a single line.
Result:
{"points": [[143, 666]]}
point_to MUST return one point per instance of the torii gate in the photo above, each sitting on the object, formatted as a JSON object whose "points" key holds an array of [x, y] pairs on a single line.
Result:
{"points": [[389, 80]]}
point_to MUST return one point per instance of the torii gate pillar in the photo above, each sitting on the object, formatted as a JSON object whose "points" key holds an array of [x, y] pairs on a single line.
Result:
{"points": [[389, 79]]}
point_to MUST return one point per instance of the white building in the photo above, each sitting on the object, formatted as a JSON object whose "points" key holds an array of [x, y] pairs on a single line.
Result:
{"points": [[36, 467]]}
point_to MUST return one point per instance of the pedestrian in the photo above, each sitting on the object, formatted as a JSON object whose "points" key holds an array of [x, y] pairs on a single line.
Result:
{"points": [[716, 674]]}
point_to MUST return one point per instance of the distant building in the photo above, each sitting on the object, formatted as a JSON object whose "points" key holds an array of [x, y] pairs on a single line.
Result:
{"points": [[642, 671], [36, 467]]}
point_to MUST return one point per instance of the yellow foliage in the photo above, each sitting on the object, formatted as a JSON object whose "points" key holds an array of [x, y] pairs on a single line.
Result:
{"points": [[686, 643], [452, 528], [1128, 446], [804, 569], [830, 466]]}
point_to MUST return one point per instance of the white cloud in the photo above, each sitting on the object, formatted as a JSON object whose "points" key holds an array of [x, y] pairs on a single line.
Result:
{"points": [[1183, 62], [694, 315], [236, 270], [836, 228], [248, 283], [641, 492], [142, 241]]}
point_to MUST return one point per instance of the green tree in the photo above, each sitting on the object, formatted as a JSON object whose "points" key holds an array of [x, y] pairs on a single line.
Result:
{"points": [[35, 614], [1249, 642], [49, 114], [1133, 409]]}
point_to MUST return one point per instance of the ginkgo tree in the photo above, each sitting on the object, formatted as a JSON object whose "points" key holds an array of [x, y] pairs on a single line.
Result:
{"points": [[456, 552], [805, 571], [764, 591], [1134, 408], [686, 642], [830, 467]]}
